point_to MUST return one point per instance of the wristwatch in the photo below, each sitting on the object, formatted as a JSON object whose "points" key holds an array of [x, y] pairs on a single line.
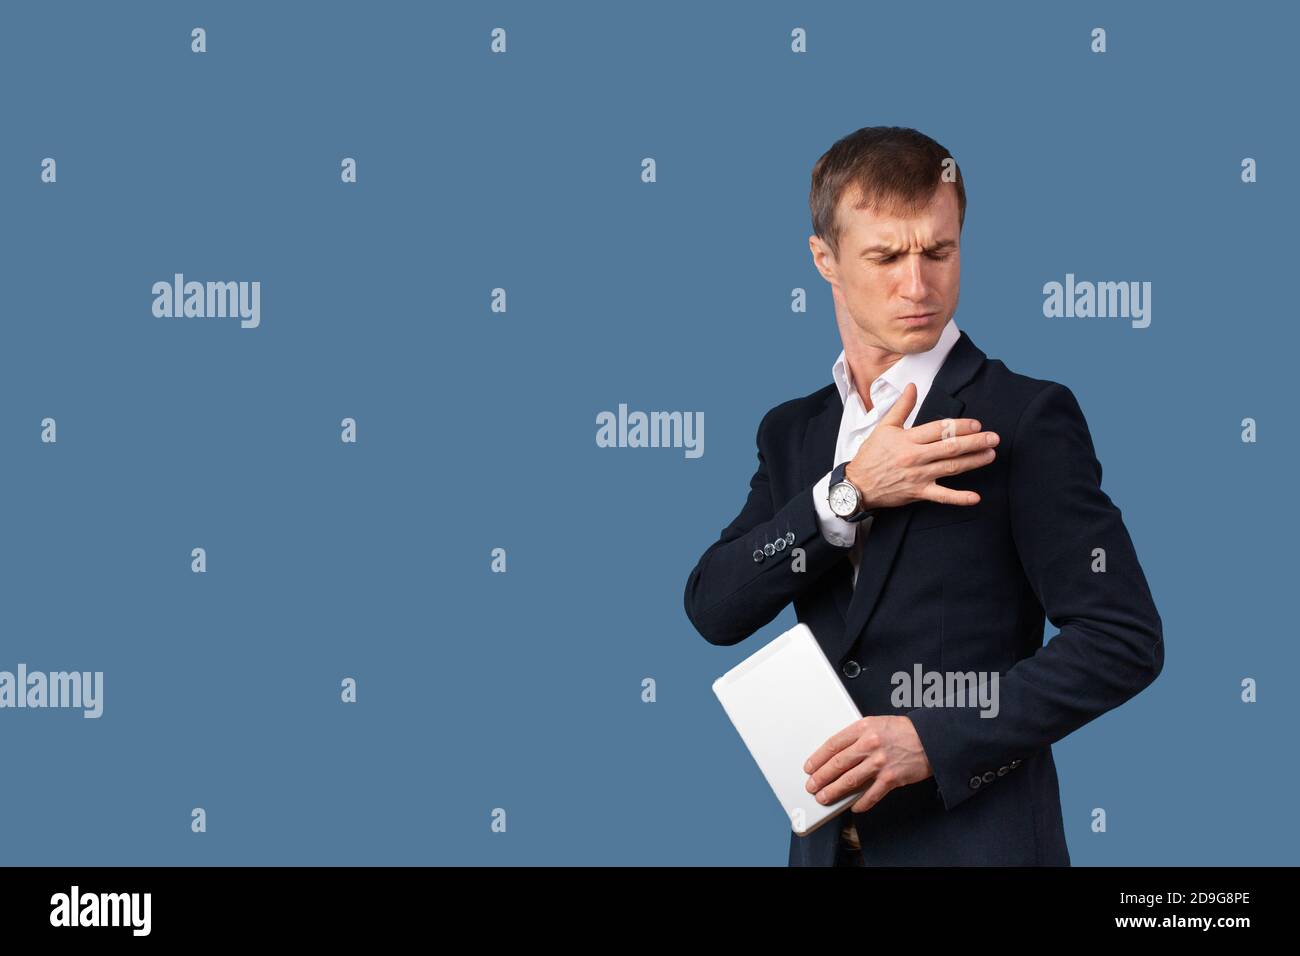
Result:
{"points": [[844, 498]]}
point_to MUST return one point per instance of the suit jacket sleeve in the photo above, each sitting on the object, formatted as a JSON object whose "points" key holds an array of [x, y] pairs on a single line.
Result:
{"points": [[1111, 642], [730, 594]]}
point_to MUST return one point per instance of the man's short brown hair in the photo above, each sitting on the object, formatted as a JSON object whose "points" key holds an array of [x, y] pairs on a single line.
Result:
{"points": [[890, 169]]}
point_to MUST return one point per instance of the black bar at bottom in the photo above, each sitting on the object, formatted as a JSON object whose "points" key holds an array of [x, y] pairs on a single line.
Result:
{"points": [[368, 904]]}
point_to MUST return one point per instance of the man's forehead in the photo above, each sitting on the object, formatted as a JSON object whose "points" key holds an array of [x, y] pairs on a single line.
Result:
{"points": [[942, 205], [935, 221]]}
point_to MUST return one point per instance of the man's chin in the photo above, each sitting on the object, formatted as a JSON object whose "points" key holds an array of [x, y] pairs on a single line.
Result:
{"points": [[919, 338]]}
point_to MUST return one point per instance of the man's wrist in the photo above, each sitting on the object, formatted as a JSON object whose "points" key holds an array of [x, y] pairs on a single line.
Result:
{"points": [[834, 529], [857, 482], [845, 494]]}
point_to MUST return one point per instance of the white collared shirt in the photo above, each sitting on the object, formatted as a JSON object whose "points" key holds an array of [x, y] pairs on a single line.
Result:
{"points": [[857, 423]]}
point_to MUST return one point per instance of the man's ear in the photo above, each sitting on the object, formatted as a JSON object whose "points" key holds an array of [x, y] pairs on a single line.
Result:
{"points": [[823, 258]]}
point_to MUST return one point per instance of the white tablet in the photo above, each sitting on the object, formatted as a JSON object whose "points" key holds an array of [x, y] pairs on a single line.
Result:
{"points": [[785, 701]]}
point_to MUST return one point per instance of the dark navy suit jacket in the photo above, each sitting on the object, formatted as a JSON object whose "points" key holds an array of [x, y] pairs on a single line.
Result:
{"points": [[953, 588]]}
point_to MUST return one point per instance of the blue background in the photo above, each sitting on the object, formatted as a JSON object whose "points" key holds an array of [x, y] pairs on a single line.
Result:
{"points": [[477, 429]]}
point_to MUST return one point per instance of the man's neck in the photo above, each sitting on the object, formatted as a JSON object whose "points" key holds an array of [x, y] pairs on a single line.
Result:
{"points": [[866, 364]]}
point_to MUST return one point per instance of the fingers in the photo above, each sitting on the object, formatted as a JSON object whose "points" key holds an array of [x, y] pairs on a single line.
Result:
{"points": [[942, 429], [955, 446], [856, 774], [949, 496], [829, 749], [901, 408], [955, 466], [875, 793]]}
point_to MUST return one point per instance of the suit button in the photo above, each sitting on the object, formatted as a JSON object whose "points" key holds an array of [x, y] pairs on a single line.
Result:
{"points": [[1002, 771], [758, 555], [769, 549], [990, 777], [1014, 764], [974, 783], [789, 537], [780, 544], [852, 669]]}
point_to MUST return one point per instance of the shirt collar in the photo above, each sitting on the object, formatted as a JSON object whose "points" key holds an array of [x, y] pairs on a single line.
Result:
{"points": [[915, 367]]}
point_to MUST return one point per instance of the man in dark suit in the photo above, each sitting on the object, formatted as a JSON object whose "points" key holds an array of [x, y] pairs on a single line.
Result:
{"points": [[905, 581]]}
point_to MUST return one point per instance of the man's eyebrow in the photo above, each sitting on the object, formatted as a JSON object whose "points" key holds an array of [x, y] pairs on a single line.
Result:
{"points": [[890, 249]]}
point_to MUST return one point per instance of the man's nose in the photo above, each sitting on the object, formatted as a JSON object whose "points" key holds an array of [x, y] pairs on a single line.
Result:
{"points": [[914, 286]]}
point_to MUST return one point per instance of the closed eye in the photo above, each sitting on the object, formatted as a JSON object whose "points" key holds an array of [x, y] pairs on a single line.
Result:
{"points": [[885, 260]]}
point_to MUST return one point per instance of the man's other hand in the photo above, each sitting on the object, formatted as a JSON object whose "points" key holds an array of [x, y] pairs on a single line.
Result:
{"points": [[879, 753]]}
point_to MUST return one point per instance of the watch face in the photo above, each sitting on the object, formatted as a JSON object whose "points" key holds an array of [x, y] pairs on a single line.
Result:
{"points": [[843, 499]]}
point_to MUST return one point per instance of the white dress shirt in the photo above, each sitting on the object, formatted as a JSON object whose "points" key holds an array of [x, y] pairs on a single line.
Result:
{"points": [[857, 423]]}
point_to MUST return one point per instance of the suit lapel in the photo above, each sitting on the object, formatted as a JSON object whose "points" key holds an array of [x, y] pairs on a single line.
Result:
{"points": [[883, 538]]}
